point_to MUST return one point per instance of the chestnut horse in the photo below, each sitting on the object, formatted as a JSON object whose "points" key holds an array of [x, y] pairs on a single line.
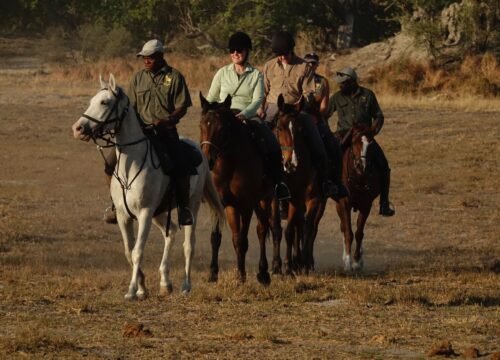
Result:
{"points": [[306, 205], [363, 181], [238, 173]]}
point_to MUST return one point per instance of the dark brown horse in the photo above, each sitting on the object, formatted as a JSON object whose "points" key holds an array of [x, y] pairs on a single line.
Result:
{"points": [[306, 204], [363, 181], [238, 174]]}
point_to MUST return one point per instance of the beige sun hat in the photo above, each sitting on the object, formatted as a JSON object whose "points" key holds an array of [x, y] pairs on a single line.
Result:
{"points": [[151, 47]]}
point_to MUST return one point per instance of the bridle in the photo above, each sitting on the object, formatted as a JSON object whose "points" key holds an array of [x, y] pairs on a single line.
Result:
{"points": [[219, 149], [118, 119]]}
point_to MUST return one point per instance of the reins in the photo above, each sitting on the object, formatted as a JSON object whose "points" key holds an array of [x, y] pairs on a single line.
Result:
{"points": [[107, 137]]}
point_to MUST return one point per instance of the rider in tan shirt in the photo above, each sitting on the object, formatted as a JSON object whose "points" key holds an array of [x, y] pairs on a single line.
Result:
{"points": [[289, 75]]}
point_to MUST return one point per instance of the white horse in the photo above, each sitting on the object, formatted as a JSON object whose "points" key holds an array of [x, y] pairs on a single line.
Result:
{"points": [[139, 185]]}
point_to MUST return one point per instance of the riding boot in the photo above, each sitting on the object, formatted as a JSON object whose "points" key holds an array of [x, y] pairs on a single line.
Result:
{"points": [[182, 192], [110, 212], [386, 208]]}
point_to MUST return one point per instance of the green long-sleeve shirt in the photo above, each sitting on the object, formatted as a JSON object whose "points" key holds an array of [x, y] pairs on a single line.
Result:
{"points": [[156, 96], [360, 107], [246, 90]]}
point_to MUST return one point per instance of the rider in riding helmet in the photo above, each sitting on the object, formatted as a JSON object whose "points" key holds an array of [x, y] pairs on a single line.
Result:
{"points": [[160, 97], [289, 75], [245, 85], [357, 104]]}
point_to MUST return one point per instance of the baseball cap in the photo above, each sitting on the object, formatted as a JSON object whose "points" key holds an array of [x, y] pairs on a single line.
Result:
{"points": [[311, 58], [151, 47], [345, 74]]}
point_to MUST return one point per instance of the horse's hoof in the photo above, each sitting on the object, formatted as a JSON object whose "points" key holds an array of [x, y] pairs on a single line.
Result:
{"points": [[357, 266], [186, 289], [242, 278], [130, 297], [264, 278], [213, 278], [142, 295], [277, 271], [289, 272], [166, 290]]}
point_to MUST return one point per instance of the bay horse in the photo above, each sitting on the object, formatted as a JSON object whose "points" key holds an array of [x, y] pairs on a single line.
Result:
{"points": [[238, 173], [139, 185], [363, 182], [307, 204]]}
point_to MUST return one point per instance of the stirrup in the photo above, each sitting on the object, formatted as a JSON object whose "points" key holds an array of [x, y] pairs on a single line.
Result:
{"points": [[185, 216], [387, 209], [110, 215], [282, 191]]}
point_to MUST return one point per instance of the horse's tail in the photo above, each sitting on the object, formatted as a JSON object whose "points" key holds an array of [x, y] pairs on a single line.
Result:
{"points": [[210, 194]]}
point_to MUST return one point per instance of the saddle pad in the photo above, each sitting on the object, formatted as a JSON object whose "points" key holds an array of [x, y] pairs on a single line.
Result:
{"points": [[192, 154]]}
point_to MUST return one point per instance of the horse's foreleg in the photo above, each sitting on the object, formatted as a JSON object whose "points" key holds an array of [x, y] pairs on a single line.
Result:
{"points": [[215, 241], [309, 234], [189, 243], [277, 234], [344, 213], [360, 233], [165, 281], [246, 216], [137, 287], [234, 219], [262, 232], [126, 226]]}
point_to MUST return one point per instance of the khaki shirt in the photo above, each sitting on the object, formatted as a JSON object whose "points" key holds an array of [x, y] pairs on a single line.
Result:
{"points": [[292, 81], [156, 96], [361, 107]]}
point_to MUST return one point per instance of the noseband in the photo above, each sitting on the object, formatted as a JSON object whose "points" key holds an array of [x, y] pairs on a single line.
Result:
{"points": [[109, 120]]}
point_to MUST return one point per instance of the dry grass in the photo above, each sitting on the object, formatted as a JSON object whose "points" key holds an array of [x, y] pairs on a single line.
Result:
{"points": [[476, 77], [431, 272]]}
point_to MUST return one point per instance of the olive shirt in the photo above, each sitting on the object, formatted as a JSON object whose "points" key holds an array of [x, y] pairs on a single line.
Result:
{"points": [[246, 90], [291, 80], [156, 96], [361, 107]]}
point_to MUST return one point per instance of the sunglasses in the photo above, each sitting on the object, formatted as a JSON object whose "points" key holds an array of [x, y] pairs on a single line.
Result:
{"points": [[238, 50]]}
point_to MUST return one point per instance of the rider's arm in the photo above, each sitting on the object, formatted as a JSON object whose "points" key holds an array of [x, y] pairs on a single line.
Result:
{"points": [[257, 97], [377, 115], [215, 87], [325, 100]]}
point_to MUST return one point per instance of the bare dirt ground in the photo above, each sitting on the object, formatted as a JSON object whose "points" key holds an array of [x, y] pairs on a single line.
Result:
{"points": [[431, 272]]}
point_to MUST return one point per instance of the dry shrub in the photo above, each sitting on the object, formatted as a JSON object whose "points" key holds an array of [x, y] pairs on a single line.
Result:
{"points": [[475, 76]]}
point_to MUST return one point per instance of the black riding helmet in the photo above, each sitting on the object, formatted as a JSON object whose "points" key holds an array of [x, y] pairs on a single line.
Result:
{"points": [[239, 41], [282, 43]]}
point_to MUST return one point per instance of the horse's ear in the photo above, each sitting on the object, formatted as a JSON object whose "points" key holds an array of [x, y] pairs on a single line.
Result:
{"points": [[227, 102], [281, 102], [203, 101], [112, 83], [102, 82]]}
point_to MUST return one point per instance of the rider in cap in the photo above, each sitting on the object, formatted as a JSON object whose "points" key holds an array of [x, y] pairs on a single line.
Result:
{"points": [[357, 104], [160, 97], [289, 75]]}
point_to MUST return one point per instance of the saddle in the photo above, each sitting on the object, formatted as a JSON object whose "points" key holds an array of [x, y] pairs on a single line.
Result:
{"points": [[191, 156]]}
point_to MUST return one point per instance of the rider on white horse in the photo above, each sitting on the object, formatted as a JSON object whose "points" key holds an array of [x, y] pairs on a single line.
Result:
{"points": [[160, 97]]}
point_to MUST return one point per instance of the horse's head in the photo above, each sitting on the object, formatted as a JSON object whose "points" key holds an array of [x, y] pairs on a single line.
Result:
{"points": [[357, 141], [287, 126], [105, 113], [215, 127]]}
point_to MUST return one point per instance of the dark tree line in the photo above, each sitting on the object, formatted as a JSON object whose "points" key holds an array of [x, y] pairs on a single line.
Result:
{"points": [[116, 26]]}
